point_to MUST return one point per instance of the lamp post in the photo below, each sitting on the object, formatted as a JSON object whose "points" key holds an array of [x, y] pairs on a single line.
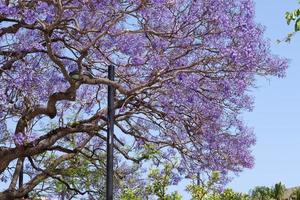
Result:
{"points": [[110, 134], [110, 128], [21, 175]]}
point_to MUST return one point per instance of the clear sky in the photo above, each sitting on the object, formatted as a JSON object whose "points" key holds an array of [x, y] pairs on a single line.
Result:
{"points": [[276, 117]]}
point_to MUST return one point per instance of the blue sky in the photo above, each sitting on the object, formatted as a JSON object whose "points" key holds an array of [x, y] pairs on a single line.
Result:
{"points": [[275, 119]]}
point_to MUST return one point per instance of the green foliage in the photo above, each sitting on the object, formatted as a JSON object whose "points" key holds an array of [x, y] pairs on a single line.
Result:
{"points": [[130, 194], [159, 181], [293, 16], [229, 194], [278, 191], [295, 195], [208, 191], [197, 191], [80, 174], [200, 193], [262, 193], [149, 151], [267, 193]]}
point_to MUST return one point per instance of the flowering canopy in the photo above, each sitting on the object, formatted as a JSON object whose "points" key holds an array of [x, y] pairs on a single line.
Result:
{"points": [[184, 70]]}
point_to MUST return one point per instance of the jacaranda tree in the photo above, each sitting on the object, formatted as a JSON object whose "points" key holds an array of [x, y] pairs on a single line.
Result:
{"points": [[184, 73]]}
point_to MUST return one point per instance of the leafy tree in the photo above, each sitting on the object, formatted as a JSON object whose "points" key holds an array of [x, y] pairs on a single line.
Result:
{"points": [[266, 193], [210, 191], [278, 191], [206, 190], [295, 195], [184, 70], [262, 193], [229, 194], [130, 194], [159, 181]]}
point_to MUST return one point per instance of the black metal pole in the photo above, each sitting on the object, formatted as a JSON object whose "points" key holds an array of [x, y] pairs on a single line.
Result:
{"points": [[198, 178], [110, 134], [21, 175]]}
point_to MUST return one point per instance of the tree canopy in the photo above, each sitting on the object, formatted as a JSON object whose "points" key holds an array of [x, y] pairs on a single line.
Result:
{"points": [[184, 73]]}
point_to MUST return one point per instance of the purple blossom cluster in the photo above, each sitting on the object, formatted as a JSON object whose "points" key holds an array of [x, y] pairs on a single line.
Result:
{"points": [[23, 138], [37, 11]]}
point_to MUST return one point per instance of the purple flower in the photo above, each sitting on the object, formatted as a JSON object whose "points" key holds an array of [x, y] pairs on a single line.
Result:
{"points": [[122, 109], [30, 16], [19, 138], [23, 139], [175, 179], [137, 61]]}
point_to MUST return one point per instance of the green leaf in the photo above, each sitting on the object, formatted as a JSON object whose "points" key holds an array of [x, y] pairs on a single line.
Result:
{"points": [[297, 25], [288, 17]]}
